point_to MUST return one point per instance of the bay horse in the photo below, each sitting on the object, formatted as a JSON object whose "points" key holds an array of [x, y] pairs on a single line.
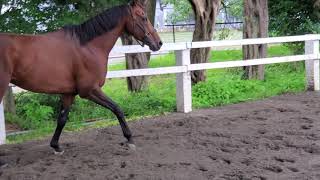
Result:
{"points": [[73, 60]]}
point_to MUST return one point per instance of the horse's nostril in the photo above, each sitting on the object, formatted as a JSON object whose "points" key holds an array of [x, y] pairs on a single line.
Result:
{"points": [[160, 43]]}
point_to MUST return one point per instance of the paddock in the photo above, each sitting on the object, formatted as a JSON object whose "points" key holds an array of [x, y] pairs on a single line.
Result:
{"points": [[276, 138], [183, 66]]}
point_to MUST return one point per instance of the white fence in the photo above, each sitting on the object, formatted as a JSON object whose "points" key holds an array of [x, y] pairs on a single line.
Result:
{"points": [[183, 66]]}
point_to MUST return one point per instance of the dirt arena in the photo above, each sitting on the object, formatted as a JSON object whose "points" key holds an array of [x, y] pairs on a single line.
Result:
{"points": [[272, 139]]}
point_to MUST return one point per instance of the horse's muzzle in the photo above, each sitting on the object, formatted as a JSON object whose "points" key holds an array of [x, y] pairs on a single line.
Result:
{"points": [[155, 46]]}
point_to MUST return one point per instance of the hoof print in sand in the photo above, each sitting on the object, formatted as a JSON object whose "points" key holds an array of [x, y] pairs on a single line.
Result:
{"points": [[284, 160], [312, 149], [293, 169], [306, 127], [273, 168]]}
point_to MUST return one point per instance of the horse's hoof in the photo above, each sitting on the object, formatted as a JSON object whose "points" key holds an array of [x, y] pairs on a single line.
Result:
{"points": [[132, 147], [58, 153]]}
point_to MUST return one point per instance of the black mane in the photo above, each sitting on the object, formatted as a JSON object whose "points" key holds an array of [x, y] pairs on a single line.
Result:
{"points": [[98, 25]]}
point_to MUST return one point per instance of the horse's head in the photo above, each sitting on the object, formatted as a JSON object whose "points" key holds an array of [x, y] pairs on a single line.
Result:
{"points": [[140, 27]]}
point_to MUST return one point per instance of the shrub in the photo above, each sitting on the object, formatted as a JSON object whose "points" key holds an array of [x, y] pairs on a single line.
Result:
{"points": [[36, 109]]}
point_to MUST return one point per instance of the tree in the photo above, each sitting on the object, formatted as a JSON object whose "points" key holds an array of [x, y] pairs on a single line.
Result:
{"points": [[294, 18], [255, 26], [139, 60], [205, 13], [297, 17], [205, 16], [182, 11], [316, 7], [233, 7], [39, 16]]}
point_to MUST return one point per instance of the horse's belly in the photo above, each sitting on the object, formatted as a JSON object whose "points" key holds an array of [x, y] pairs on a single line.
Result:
{"points": [[53, 82]]}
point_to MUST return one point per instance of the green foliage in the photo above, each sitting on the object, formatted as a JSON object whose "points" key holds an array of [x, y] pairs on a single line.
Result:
{"points": [[36, 109], [224, 34], [38, 16], [182, 11], [34, 16], [293, 17], [223, 91], [37, 115], [228, 88], [297, 17], [234, 7]]}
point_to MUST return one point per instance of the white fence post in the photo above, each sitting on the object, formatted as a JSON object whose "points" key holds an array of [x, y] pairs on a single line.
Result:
{"points": [[312, 66], [183, 91], [2, 125]]}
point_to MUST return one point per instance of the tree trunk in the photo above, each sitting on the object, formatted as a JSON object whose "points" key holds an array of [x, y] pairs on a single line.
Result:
{"points": [[205, 16], [256, 21], [135, 61], [139, 60], [8, 101], [316, 6]]}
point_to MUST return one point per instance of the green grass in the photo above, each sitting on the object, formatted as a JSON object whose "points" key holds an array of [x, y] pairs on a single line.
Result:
{"points": [[223, 86]]}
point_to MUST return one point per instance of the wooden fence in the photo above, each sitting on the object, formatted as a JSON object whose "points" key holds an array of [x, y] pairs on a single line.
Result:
{"points": [[184, 67]]}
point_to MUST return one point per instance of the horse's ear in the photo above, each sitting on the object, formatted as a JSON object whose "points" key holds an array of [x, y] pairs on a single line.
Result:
{"points": [[134, 2], [138, 2]]}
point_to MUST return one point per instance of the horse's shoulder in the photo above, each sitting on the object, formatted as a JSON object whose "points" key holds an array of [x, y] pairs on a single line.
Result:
{"points": [[91, 53]]}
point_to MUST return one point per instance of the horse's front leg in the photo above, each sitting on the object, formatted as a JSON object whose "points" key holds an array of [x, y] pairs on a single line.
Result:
{"points": [[67, 101], [100, 98]]}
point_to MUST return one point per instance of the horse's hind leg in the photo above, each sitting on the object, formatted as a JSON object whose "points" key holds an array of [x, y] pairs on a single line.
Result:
{"points": [[100, 98], [67, 101]]}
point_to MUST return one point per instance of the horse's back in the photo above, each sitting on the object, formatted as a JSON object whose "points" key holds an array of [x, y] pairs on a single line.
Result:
{"points": [[40, 63]]}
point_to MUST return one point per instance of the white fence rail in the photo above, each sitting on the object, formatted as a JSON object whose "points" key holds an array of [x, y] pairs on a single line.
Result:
{"points": [[183, 66], [2, 125]]}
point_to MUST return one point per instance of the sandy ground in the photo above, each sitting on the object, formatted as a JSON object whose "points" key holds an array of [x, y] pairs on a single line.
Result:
{"points": [[272, 139]]}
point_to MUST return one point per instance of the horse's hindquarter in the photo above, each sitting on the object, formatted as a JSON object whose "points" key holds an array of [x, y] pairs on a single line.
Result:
{"points": [[44, 64]]}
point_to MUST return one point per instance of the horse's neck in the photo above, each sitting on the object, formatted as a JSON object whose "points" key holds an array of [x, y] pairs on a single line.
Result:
{"points": [[106, 41], [58, 34]]}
